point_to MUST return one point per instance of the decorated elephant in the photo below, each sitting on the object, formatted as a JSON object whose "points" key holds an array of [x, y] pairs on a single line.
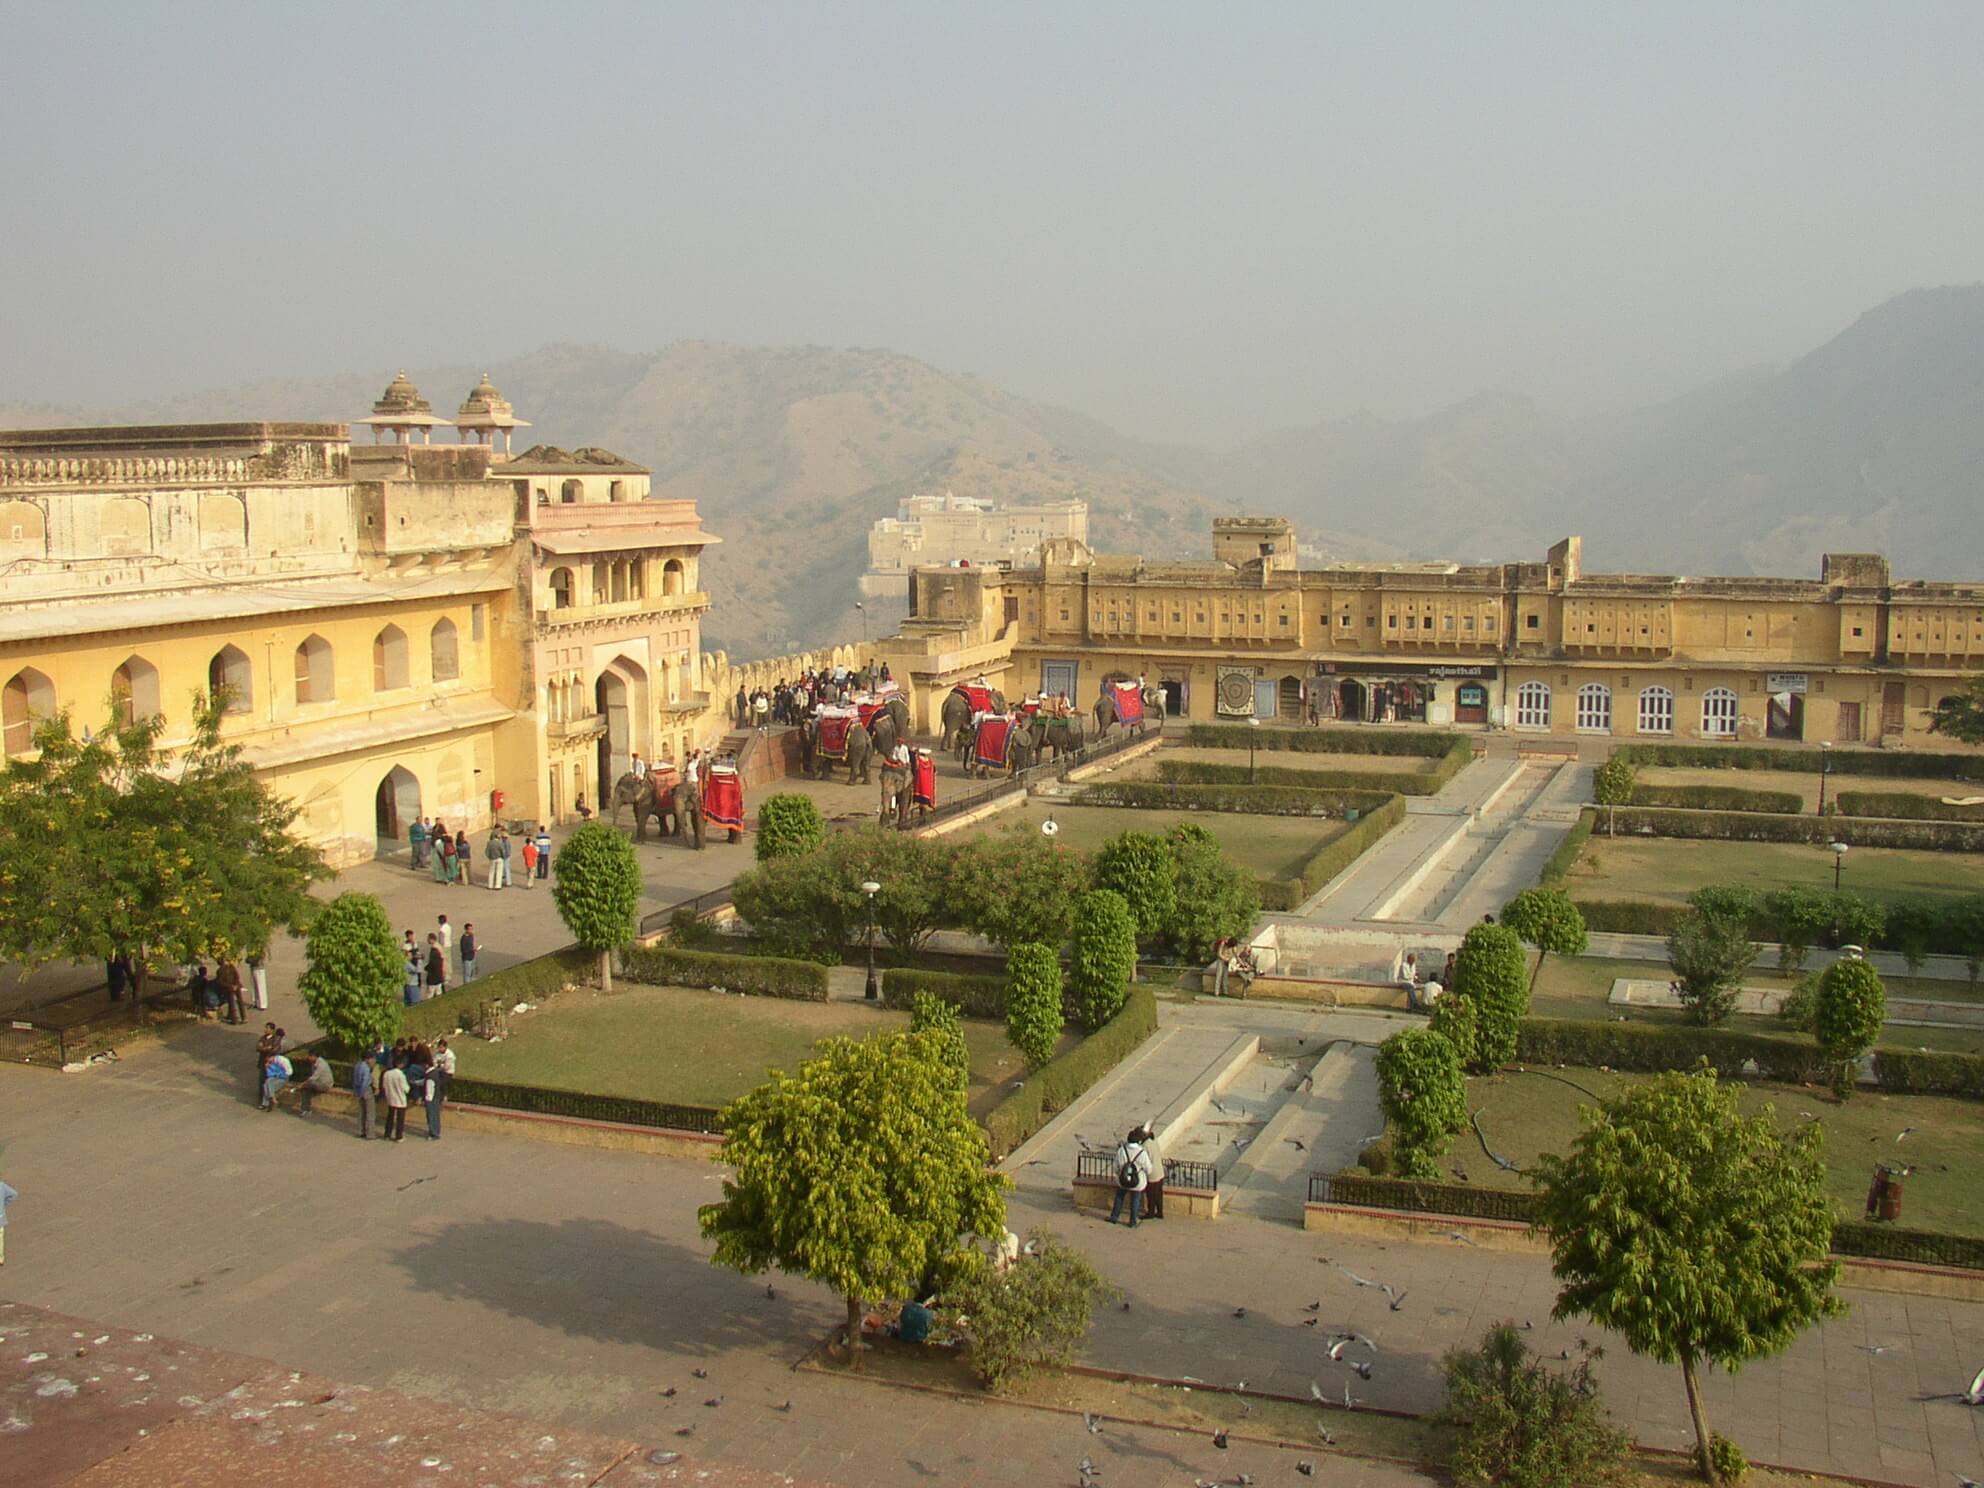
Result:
{"points": [[890, 726], [829, 740], [895, 802], [1150, 704], [959, 708], [1000, 742], [1056, 735], [677, 809], [687, 802]]}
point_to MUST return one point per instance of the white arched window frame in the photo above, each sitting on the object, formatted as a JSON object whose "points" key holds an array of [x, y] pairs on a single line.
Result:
{"points": [[1533, 705], [1594, 708], [444, 650], [1656, 711], [1719, 710]]}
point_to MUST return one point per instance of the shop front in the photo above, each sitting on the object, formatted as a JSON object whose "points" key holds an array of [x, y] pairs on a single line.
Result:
{"points": [[1401, 692]]}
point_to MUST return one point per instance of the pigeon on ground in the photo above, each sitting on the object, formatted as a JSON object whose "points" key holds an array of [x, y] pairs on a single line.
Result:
{"points": [[1310, 1322], [1091, 1420], [1398, 1298], [700, 1373], [1306, 1468], [669, 1393], [785, 1407], [1296, 1143], [1219, 1438], [1316, 1306], [1456, 1235], [1239, 1312], [685, 1431], [1316, 1391], [714, 1401], [1361, 1367]]}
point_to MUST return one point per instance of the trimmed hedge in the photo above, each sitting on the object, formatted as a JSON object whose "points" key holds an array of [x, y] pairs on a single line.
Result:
{"points": [[1405, 783], [755, 976], [1719, 798], [1055, 1085], [528, 981], [1751, 826], [1849, 1237], [1905, 805], [1630, 916], [1920, 1072], [1565, 858], [1333, 857], [1427, 744], [583, 1105], [974, 996], [1258, 800], [1892, 764]]}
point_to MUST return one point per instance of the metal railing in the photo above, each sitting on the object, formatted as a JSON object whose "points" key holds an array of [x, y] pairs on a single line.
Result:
{"points": [[702, 904], [1100, 1167], [1022, 780]]}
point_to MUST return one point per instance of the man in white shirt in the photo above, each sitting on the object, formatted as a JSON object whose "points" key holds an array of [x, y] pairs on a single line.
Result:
{"points": [[394, 1087], [640, 766], [1133, 1170]]}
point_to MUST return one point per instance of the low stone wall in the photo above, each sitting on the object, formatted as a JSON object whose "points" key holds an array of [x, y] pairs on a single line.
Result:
{"points": [[1326, 993], [569, 1131], [1179, 1203]]}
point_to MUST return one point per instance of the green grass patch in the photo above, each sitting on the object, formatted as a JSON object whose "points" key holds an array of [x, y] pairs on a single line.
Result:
{"points": [[694, 1047], [1266, 846], [1666, 870]]}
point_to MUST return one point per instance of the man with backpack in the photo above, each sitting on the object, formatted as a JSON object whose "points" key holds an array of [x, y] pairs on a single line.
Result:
{"points": [[1133, 1171]]}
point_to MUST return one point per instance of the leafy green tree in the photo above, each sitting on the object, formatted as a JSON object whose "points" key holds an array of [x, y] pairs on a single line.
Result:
{"points": [[1103, 958], [1492, 971], [596, 884], [1698, 1234], [1018, 888], [114, 845], [1960, 715], [1519, 1423], [1709, 956], [1847, 1015], [356, 969], [1141, 868], [1854, 920], [1736, 902], [1912, 926], [1548, 920], [789, 826], [1031, 1316], [930, 1014], [1033, 1001], [1612, 786], [1216, 898], [1800, 918], [802, 906], [1423, 1095], [1966, 922], [860, 1171], [813, 906], [1455, 1019]]}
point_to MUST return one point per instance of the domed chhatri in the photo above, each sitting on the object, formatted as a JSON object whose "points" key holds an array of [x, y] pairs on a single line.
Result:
{"points": [[400, 411], [484, 412]]}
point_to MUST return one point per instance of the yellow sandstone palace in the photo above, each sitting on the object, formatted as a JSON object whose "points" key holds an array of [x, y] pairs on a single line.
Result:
{"points": [[1853, 656], [402, 628]]}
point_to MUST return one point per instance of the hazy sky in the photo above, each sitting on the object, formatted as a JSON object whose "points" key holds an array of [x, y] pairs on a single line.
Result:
{"points": [[1197, 221]]}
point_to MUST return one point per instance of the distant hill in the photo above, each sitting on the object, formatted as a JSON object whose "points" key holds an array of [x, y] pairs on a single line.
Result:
{"points": [[1873, 441]]}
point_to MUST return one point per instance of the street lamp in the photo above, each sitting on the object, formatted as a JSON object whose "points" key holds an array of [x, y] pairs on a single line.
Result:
{"points": [[1256, 722], [864, 621], [1825, 769], [1838, 862], [871, 889]]}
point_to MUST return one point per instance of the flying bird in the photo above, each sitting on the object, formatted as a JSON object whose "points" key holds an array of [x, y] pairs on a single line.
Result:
{"points": [[1296, 1143], [1973, 1396], [1876, 1349], [1315, 1306], [1456, 1235], [1337, 1345], [1350, 1402], [1361, 1367], [1398, 1299], [1903, 1132], [1316, 1392]]}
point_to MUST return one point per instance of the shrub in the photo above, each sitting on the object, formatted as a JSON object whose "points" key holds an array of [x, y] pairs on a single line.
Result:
{"points": [[789, 826], [1709, 956], [528, 981], [1454, 1019], [1731, 1466], [932, 1015], [1565, 857], [1905, 805], [1057, 1086], [1717, 798], [352, 985], [596, 883], [1911, 929], [1546, 919], [973, 996], [1018, 888], [1736, 902], [1422, 1091], [1846, 1018], [753, 976], [1925, 1072], [1491, 970], [1103, 958], [1033, 1001], [691, 931], [1800, 918], [1031, 1316], [1612, 782], [1800, 1008], [1519, 1422], [1652, 1048], [1141, 869], [1215, 899]]}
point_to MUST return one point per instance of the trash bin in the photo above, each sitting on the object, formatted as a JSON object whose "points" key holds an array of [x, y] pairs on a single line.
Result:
{"points": [[1884, 1194], [1350, 814]]}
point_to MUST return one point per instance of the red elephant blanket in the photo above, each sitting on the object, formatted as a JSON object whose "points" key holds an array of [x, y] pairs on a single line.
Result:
{"points": [[869, 708], [834, 726], [723, 798], [923, 777], [993, 744], [1129, 702], [980, 698]]}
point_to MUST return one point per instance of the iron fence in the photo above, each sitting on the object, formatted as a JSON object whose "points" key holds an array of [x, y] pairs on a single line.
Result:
{"points": [[1021, 780], [702, 904], [1101, 1167]]}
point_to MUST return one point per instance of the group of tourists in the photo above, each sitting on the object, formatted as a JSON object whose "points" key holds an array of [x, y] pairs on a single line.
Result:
{"points": [[449, 856], [788, 703], [221, 993], [426, 968], [408, 1073], [1139, 1176]]}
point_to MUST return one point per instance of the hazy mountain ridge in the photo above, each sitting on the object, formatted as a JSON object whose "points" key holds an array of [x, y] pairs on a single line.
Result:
{"points": [[1874, 440]]}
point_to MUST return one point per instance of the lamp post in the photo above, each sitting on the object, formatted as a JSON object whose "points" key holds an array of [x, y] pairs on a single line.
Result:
{"points": [[1838, 862], [1825, 769], [1256, 723], [864, 621], [871, 889]]}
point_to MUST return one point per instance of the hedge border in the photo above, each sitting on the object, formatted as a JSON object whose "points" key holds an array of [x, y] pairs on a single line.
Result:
{"points": [[1427, 744], [1719, 798], [1751, 826], [527, 981], [1332, 857], [1565, 858], [1893, 764], [1252, 800], [973, 996], [1904, 806], [1054, 1086], [754, 976]]}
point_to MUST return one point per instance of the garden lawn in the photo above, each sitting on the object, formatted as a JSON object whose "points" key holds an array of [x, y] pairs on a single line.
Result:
{"points": [[1666, 870], [1524, 1115], [1578, 986], [700, 1048], [1805, 782], [1282, 759], [1267, 846]]}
